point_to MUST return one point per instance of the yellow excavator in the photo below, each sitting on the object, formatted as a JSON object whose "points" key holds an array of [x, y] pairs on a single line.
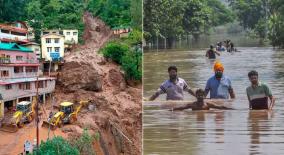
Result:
{"points": [[67, 114], [25, 112]]}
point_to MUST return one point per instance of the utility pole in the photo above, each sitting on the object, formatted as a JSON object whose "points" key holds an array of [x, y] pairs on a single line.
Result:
{"points": [[37, 119]]}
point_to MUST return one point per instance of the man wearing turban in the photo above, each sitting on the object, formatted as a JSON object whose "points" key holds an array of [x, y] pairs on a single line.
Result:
{"points": [[219, 85]]}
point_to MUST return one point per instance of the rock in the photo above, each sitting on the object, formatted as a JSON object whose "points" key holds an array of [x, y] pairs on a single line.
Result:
{"points": [[77, 76], [92, 107]]}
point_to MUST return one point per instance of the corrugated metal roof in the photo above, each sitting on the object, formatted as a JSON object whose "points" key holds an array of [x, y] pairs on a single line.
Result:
{"points": [[14, 47]]}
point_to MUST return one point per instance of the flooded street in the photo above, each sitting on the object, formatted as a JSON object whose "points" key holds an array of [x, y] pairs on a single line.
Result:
{"points": [[215, 132]]}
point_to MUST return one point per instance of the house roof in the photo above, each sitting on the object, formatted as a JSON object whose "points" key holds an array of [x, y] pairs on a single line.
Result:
{"points": [[30, 43], [50, 34], [14, 47], [13, 28], [121, 27]]}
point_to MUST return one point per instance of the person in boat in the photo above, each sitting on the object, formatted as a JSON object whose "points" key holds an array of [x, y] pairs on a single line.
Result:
{"points": [[200, 104], [173, 87], [219, 85], [258, 93], [211, 53]]}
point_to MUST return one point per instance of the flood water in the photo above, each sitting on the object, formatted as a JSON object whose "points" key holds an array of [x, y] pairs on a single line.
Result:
{"points": [[215, 132]]}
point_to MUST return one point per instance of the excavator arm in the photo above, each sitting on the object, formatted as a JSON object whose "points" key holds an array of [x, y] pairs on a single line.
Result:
{"points": [[82, 103]]}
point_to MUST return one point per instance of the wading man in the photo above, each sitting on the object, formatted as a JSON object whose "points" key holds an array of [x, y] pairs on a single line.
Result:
{"points": [[211, 53], [258, 93], [219, 85], [200, 104], [173, 87]]}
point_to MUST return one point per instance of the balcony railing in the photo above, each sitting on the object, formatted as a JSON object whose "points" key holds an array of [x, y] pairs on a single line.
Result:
{"points": [[13, 60]]}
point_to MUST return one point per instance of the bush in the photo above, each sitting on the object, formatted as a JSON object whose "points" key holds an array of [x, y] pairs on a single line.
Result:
{"points": [[134, 38], [115, 51], [57, 146], [84, 143], [132, 65]]}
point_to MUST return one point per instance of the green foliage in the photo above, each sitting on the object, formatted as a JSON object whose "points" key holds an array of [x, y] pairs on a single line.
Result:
{"points": [[57, 146], [134, 37], [12, 10], [136, 14], [55, 14], [170, 19], [262, 17], [249, 12], [84, 143], [115, 51], [276, 33], [128, 53], [131, 64], [113, 12]]}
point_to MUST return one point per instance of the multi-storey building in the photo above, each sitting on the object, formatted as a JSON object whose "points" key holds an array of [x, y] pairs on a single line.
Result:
{"points": [[19, 75], [52, 50], [15, 32], [70, 36]]}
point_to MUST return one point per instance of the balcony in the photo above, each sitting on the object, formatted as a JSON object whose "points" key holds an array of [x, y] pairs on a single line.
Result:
{"points": [[14, 60]]}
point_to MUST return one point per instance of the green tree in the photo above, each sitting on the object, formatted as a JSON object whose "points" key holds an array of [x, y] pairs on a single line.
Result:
{"points": [[12, 10], [113, 12], [276, 23], [252, 14]]}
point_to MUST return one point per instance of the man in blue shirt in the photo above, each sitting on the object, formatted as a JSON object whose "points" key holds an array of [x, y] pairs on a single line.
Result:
{"points": [[219, 85]]}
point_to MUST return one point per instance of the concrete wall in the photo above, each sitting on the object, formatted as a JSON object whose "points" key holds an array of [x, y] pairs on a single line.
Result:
{"points": [[36, 49], [44, 45], [71, 36], [15, 92], [12, 74], [27, 57], [12, 36]]}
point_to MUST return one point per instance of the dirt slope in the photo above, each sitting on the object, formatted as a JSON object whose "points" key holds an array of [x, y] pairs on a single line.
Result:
{"points": [[86, 75]]}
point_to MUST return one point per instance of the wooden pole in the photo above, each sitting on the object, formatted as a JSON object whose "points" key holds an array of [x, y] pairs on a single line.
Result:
{"points": [[37, 119]]}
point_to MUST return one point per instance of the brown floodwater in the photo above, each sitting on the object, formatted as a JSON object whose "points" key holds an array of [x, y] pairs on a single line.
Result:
{"points": [[214, 132]]}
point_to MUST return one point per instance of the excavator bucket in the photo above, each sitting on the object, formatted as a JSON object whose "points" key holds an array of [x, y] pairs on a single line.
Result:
{"points": [[9, 128], [47, 124]]}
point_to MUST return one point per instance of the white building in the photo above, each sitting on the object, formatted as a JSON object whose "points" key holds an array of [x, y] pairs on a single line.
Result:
{"points": [[15, 32]]}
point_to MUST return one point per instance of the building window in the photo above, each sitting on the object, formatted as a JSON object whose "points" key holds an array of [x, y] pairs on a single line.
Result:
{"points": [[68, 33], [8, 86], [30, 69], [5, 31], [49, 49], [61, 32], [18, 33], [56, 40], [74, 33], [40, 84], [45, 83], [19, 58], [25, 86], [18, 69], [56, 49], [4, 73], [48, 40]]}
